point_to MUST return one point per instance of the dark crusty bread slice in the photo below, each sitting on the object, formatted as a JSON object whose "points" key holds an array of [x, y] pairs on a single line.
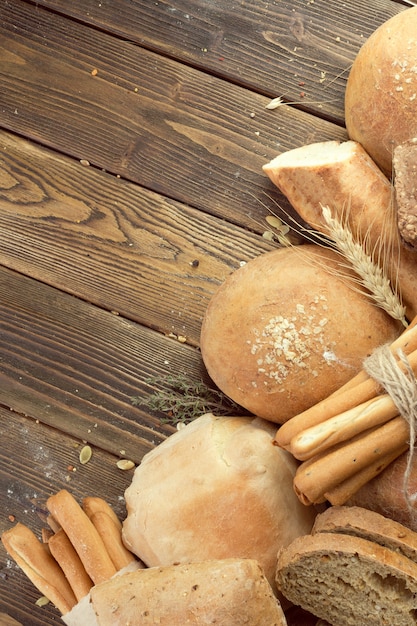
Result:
{"points": [[349, 581], [360, 522]]}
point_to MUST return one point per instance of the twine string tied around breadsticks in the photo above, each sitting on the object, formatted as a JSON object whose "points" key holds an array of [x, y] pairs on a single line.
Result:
{"points": [[401, 385]]}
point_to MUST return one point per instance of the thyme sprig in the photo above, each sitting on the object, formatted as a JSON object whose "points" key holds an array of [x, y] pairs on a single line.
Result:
{"points": [[183, 400]]}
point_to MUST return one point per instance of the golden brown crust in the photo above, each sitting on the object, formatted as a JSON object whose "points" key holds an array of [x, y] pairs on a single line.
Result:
{"points": [[276, 336], [360, 522], [380, 101], [83, 535], [40, 567], [232, 592], [64, 553]]}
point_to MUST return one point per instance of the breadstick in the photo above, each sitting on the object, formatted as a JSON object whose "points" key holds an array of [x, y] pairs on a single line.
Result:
{"points": [[343, 427], [321, 474], [112, 538], [92, 504], [64, 553], [40, 567], [83, 536], [348, 396], [343, 492]]}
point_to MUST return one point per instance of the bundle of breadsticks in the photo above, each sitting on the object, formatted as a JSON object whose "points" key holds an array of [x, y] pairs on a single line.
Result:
{"points": [[81, 548], [347, 439]]}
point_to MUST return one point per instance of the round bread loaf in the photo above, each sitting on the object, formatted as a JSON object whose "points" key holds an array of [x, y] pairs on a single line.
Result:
{"points": [[381, 92], [284, 331], [217, 489]]}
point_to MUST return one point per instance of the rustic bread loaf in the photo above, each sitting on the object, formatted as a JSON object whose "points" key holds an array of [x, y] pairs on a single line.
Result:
{"points": [[381, 91], [349, 581], [286, 330], [216, 489], [229, 592], [360, 522]]}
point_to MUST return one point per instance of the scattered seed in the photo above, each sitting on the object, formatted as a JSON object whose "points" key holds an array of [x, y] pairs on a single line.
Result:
{"points": [[84, 162], [85, 454], [125, 464], [274, 103], [42, 601]]}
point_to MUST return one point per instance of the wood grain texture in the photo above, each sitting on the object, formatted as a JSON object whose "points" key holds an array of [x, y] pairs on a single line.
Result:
{"points": [[268, 47], [112, 243], [147, 118], [103, 267]]}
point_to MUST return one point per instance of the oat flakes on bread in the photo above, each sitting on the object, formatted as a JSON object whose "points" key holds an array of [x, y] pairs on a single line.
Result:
{"points": [[360, 522], [349, 581]]}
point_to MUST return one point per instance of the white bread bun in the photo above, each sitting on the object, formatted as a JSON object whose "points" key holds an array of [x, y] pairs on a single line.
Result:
{"points": [[216, 489], [381, 92], [284, 331]]}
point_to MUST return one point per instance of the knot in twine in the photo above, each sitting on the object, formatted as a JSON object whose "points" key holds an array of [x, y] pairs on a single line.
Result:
{"points": [[401, 385]]}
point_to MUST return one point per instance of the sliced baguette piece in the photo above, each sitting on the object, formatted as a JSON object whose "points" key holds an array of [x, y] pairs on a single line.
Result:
{"points": [[360, 522], [349, 581]]}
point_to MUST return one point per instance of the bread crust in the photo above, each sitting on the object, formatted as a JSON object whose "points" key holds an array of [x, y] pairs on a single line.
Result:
{"points": [[349, 580], [360, 522], [216, 489], [380, 98], [231, 592], [277, 334]]}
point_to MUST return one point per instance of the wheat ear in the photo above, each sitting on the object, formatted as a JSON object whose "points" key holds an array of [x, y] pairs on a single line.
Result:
{"points": [[372, 276]]}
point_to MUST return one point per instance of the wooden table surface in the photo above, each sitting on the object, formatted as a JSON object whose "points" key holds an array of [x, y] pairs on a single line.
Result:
{"points": [[132, 139]]}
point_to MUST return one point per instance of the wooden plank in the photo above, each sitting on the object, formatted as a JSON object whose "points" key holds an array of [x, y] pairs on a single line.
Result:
{"points": [[268, 47], [166, 126], [76, 367], [113, 243], [35, 462]]}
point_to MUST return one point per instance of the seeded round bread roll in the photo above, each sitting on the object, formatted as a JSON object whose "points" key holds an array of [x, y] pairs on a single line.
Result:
{"points": [[285, 331], [381, 92], [216, 489]]}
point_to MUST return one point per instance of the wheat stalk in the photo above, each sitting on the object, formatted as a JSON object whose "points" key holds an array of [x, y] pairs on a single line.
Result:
{"points": [[371, 274]]}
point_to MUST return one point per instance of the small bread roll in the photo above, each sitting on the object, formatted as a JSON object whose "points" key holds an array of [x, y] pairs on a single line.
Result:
{"points": [[216, 489], [286, 330]]}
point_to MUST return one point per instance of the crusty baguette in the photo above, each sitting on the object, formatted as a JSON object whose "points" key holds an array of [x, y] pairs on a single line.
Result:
{"points": [[343, 177], [228, 592], [360, 522], [83, 535], [34, 558], [65, 554], [349, 581]]}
